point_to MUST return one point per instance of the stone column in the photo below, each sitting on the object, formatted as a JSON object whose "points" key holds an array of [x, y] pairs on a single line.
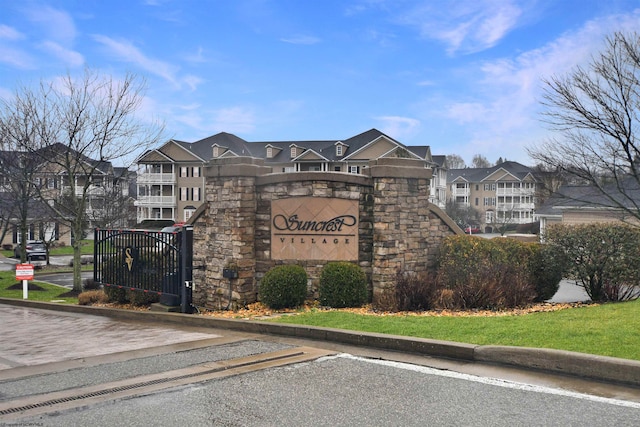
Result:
{"points": [[225, 233], [400, 221]]}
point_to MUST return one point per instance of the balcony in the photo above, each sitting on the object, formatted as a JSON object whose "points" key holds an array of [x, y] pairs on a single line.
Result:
{"points": [[461, 192], [156, 178], [156, 201], [92, 191], [512, 207], [515, 192]]}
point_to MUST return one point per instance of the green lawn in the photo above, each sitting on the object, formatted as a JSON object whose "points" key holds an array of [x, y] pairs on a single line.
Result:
{"points": [[48, 293], [609, 330], [87, 249]]}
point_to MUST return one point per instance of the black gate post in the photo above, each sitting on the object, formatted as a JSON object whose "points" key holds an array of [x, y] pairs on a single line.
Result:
{"points": [[186, 268]]}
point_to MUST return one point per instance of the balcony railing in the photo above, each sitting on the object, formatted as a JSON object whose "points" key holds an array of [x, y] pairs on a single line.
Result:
{"points": [[157, 201], [461, 192], [515, 192], [156, 178], [506, 207], [92, 191]]}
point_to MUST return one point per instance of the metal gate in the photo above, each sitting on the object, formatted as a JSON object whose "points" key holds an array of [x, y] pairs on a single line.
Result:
{"points": [[147, 261]]}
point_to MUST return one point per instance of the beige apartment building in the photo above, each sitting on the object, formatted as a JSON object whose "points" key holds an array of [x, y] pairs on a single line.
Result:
{"points": [[171, 178], [503, 194]]}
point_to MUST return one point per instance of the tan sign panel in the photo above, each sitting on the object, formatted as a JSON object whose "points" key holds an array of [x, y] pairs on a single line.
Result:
{"points": [[311, 228]]}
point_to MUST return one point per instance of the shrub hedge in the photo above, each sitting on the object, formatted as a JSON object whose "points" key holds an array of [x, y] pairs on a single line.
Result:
{"points": [[284, 286], [342, 284], [473, 272]]}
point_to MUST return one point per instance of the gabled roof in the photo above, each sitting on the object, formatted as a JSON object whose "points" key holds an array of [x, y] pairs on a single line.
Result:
{"points": [[626, 194], [324, 149], [439, 160], [310, 154], [59, 149], [154, 155], [519, 172], [238, 146]]}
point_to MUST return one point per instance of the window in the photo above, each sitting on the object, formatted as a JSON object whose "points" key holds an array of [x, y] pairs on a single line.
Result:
{"points": [[477, 201], [196, 194], [354, 169], [188, 213], [489, 217], [184, 171], [216, 151], [338, 150], [490, 187], [51, 183], [337, 168], [184, 193], [294, 151], [269, 152], [196, 172]]}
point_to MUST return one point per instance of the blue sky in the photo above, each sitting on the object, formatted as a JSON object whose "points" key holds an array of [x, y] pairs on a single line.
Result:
{"points": [[462, 76]]}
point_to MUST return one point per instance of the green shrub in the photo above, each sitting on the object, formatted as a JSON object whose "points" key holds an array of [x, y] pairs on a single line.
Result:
{"points": [[483, 273], [141, 298], [116, 294], [342, 284], [602, 257], [546, 268], [284, 286]]}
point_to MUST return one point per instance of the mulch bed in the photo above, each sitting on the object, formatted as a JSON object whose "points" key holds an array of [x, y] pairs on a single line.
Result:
{"points": [[257, 311], [30, 286]]}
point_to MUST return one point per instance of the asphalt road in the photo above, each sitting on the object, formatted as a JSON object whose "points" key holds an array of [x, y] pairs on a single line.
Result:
{"points": [[78, 369]]}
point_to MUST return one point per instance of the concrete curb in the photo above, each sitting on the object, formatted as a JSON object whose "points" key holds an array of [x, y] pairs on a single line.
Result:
{"points": [[607, 369]]}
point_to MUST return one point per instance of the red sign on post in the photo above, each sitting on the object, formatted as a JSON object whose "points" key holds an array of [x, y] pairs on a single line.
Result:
{"points": [[24, 272]]}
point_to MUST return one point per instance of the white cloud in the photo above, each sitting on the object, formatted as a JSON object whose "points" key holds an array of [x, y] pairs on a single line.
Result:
{"points": [[398, 127], [57, 24], [234, 119], [301, 39], [501, 114], [200, 121], [16, 58], [127, 52], [10, 33], [69, 57], [465, 26]]}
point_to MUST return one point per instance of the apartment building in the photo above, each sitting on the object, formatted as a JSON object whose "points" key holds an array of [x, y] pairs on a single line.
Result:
{"points": [[502, 194], [171, 178], [105, 188]]}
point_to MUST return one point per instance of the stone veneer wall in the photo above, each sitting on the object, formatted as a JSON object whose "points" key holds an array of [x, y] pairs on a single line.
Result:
{"points": [[398, 229]]}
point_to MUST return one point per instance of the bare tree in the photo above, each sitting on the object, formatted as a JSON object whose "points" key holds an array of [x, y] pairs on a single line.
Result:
{"points": [[462, 215], [595, 112], [480, 161], [18, 169], [454, 161], [82, 125], [112, 207]]}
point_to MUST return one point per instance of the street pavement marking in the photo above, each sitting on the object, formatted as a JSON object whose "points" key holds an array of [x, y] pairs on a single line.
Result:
{"points": [[489, 381]]}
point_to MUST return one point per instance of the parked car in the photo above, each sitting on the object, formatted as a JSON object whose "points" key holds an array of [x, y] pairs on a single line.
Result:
{"points": [[36, 252], [472, 229]]}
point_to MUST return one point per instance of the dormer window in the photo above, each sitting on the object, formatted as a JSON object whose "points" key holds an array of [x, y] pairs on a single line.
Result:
{"points": [[294, 151], [339, 150], [216, 151], [269, 152]]}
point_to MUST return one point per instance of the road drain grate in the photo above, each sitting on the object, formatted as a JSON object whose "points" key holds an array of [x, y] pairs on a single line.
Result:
{"points": [[144, 384]]}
